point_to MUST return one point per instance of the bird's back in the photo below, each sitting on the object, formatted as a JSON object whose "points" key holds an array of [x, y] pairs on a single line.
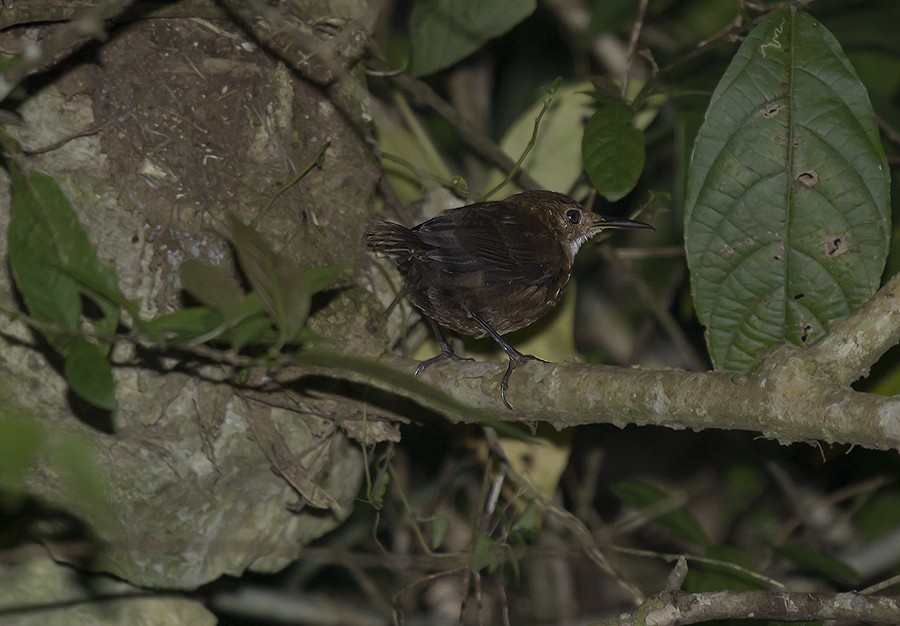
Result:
{"points": [[487, 261]]}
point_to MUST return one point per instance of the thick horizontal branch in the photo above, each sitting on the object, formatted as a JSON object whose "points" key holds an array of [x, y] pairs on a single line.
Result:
{"points": [[782, 403], [798, 394], [675, 608]]}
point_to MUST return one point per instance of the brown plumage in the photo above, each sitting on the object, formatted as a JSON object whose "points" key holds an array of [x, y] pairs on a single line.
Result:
{"points": [[491, 268]]}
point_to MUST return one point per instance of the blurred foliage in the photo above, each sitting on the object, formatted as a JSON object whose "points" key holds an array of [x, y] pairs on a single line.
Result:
{"points": [[27, 445], [618, 132], [444, 31]]}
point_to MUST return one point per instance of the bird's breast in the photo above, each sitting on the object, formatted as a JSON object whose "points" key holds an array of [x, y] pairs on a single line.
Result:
{"points": [[506, 307]]}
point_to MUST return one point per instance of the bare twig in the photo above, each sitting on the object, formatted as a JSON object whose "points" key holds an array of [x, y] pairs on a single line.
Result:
{"points": [[551, 91], [882, 585], [490, 151], [632, 43], [693, 558], [313, 162], [889, 131], [91, 130]]}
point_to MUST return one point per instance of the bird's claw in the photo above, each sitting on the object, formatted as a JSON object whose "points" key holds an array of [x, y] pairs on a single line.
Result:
{"points": [[514, 362], [443, 356]]}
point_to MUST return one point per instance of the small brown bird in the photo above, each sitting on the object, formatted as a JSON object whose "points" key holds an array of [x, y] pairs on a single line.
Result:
{"points": [[491, 268]]}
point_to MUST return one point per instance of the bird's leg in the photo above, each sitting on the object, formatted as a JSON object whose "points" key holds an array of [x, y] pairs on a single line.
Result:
{"points": [[515, 357], [446, 351]]}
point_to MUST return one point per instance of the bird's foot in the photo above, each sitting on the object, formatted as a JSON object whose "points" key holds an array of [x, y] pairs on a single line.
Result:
{"points": [[515, 360], [443, 356]]}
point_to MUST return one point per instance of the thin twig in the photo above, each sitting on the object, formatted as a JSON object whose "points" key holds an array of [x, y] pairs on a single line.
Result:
{"points": [[673, 558], [551, 92], [490, 151], [316, 160], [892, 135], [91, 130], [632, 43], [395, 480], [884, 584]]}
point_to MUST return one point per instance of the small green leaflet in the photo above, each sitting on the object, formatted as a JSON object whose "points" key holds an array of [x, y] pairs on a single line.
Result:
{"points": [[53, 264], [613, 150]]}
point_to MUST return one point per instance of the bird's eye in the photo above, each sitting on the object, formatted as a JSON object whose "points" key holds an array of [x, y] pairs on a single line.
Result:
{"points": [[573, 215]]}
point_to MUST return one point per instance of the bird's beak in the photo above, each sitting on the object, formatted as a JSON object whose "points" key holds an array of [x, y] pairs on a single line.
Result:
{"points": [[604, 222]]}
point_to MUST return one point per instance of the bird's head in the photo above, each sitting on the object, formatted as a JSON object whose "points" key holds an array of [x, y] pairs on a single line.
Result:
{"points": [[571, 223]]}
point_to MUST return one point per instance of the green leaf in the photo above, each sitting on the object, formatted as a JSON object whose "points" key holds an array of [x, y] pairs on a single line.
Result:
{"points": [[318, 278], [787, 214], [184, 325], [527, 525], [250, 306], [483, 555], [20, 441], [811, 560], [278, 279], [254, 326], [413, 386], [251, 331], [75, 458], [379, 489], [555, 160], [745, 483], [212, 286], [307, 334], [36, 225], [89, 374], [102, 287], [879, 515], [443, 32], [439, 527], [613, 150], [677, 521], [28, 445], [47, 247]]}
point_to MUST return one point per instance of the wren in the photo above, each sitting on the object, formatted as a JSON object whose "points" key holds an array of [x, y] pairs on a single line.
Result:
{"points": [[491, 268]]}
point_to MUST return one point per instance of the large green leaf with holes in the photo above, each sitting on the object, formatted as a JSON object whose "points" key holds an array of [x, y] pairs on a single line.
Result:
{"points": [[787, 216]]}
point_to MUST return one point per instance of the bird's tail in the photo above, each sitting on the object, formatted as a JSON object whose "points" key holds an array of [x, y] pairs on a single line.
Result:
{"points": [[392, 239]]}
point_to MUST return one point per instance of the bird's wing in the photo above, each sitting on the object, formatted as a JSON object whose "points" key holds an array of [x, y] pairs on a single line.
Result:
{"points": [[504, 246]]}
